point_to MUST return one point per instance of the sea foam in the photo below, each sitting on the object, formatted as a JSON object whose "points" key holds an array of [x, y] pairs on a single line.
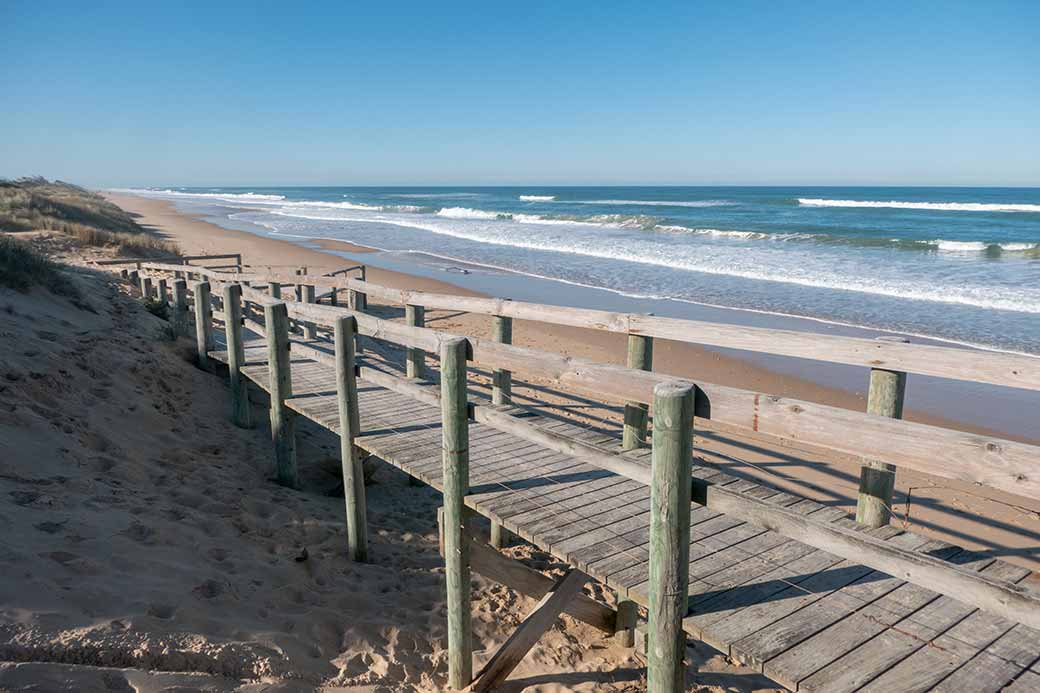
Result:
{"points": [[537, 198], [933, 206]]}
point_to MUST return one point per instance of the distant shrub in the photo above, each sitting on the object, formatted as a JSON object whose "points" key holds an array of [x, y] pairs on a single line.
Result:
{"points": [[23, 267]]}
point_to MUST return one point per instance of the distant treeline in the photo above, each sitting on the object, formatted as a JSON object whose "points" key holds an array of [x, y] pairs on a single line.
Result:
{"points": [[36, 204]]}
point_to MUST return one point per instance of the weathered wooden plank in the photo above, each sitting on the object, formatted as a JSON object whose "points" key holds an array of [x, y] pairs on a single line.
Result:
{"points": [[821, 649], [455, 447], [529, 631], [896, 642]]}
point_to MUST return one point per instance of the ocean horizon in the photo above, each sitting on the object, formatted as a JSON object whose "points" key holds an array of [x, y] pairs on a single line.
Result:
{"points": [[954, 264]]}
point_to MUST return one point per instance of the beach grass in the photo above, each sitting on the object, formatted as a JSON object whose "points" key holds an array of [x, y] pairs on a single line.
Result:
{"points": [[36, 204], [22, 267]]}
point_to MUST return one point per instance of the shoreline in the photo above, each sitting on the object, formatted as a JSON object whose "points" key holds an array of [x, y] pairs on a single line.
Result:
{"points": [[779, 376]]}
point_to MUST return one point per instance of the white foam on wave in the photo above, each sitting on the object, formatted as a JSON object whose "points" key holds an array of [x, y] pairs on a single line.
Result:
{"points": [[658, 203], [975, 296], [537, 198], [469, 213], [238, 197], [934, 206]]}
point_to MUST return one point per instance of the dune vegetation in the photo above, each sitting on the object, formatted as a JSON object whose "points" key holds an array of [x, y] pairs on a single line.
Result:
{"points": [[36, 204]]}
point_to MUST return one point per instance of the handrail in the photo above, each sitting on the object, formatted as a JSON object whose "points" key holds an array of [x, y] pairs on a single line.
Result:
{"points": [[181, 258], [1001, 464], [993, 368]]}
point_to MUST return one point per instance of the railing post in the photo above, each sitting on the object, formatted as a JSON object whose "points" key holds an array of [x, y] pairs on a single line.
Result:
{"points": [[241, 414], [349, 429], [501, 379], [669, 534], [161, 292], [310, 330], [180, 306], [501, 393], [203, 322], [357, 301], [275, 289], [455, 458], [415, 364], [135, 279], [146, 287], [283, 421], [877, 479], [124, 274], [640, 356]]}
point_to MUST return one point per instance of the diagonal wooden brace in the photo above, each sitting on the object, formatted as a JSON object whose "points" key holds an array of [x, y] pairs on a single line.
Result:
{"points": [[529, 582], [527, 633]]}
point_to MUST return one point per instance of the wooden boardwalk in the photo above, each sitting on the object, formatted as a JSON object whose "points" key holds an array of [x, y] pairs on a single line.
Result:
{"points": [[806, 618]]}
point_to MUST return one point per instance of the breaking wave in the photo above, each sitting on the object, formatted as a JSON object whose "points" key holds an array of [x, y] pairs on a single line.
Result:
{"points": [[933, 206]]}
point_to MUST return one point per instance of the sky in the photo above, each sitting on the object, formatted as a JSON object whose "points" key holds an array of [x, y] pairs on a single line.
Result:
{"points": [[563, 93]]}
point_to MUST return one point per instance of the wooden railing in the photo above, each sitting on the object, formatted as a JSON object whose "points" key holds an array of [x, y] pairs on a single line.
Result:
{"points": [[989, 461]]}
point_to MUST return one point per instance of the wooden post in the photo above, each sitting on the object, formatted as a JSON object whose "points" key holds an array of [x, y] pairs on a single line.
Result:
{"points": [[310, 330], [135, 279], [455, 458], [416, 360], [180, 306], [161, 292], [501, 393], [640, 356], [669, 534], [501, 379], [283, 421], [275, 289], [349, 429], [146, 288], [203, 322], [876, 478], [356, 300], [124, 274], [241, 414], [625, 625]]}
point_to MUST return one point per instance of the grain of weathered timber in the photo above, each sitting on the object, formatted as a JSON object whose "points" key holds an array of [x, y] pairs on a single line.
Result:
{"points": [[283, 421], [1000, 597], [310, 330], [180, 306], [877, 478], [627, 616], [640, 357], [455, 453], [203, 322], [350, 428], [501, 378], [532, 583], [529, 631], [415, 362], [241, 412], [669, 535]]}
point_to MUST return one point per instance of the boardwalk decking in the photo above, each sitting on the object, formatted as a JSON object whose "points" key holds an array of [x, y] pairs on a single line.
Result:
{"points": [[804, 617]]}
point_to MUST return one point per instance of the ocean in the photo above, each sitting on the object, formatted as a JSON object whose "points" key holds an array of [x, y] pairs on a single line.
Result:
{"points": [[953, 264]]}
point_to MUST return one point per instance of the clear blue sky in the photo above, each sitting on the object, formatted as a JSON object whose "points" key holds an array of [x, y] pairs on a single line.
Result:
{"points": [[186, 93]]}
